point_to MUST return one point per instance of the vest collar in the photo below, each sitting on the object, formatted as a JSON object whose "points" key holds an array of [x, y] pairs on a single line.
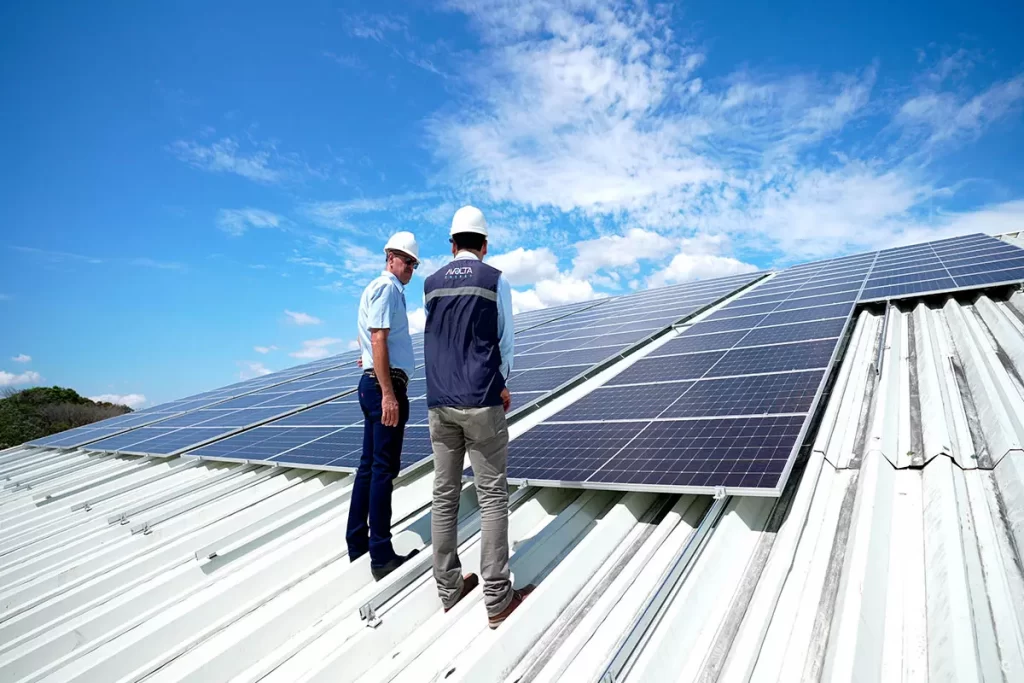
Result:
{"points": [[465, 254]]}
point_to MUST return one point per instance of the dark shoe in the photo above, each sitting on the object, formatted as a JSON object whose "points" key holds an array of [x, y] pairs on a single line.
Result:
{"points": [[382, 571], [469, 582], [496, 620]]}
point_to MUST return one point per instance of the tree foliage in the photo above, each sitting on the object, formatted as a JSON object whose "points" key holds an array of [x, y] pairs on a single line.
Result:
{"points": [[41, 411]]}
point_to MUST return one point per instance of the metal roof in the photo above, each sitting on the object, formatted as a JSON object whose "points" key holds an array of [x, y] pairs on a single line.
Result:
{"points": [[894, 553]]}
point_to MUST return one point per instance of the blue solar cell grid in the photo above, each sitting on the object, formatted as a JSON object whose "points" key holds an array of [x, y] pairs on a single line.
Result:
{"points": [[736, 388], [947, 265], [560, 350], [723, 404]]}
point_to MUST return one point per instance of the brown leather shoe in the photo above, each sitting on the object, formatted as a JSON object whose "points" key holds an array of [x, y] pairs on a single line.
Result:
{"points": [[469, 582], [496, 620]]}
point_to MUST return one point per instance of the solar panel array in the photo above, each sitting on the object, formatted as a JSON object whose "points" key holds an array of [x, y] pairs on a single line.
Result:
{"points": [[958, 263], [179, 410], [330, 436], [724, 404]]}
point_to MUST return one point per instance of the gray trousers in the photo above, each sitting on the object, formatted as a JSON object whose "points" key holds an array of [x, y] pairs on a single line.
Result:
{"points": [[483, 434]]}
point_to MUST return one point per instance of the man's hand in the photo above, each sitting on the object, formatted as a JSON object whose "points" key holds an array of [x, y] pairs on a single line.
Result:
{"points": [[389, 408], [506, 399], [359, 363]]}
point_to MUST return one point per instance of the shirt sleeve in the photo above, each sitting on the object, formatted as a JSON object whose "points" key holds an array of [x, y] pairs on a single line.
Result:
{"points": [[506, 329], [379, 317]]}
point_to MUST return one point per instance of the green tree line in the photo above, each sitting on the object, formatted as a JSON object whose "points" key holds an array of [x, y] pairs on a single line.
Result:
{"points": [[41, 411]]}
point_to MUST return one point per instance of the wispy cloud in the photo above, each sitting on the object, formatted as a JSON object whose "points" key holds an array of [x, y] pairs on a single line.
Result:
{"points": [[264, 349], [341, 215], [298, 318], [260, 162], [144, 262], [5, 297], [943, 116], [235, 222], [599, 112], [22, 358], [58, 256], [250, 369], [392, 31], [315, 349], [347, 61], [376, 26], [52, 256], [8, 379], [133, 401], [327, 268]]}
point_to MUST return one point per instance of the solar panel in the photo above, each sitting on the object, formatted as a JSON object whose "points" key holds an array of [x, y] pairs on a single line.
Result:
{"points": [[722, 405], [749, 453], [225, 398], [944, 266], [564, 348], [787, 392]]}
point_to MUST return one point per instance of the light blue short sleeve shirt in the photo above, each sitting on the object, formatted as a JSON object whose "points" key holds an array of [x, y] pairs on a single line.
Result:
{"points": [[382, 307]]}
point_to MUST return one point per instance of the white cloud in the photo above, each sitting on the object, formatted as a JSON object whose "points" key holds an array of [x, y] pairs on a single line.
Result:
{"points": [[943, 116], [417, 320], [251, 369], [22, 358], [133, 401], [616, 251], [298, 318], [375, 26], [340, 215], [145, 262], [58, 256], [262, 165], [353, 345], [264, 349], [597, 111], [5, 297], [315, 349], [557, 291], [236, 221], [8, 379], [526, 266], [685, 267], [359, 259]]}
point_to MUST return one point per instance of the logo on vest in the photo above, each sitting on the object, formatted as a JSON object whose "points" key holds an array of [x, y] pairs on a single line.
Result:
{"points": [[462, 271]]}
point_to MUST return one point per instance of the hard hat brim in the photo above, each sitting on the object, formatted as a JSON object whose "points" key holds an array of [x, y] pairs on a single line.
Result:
{"points": [[399, 251]]}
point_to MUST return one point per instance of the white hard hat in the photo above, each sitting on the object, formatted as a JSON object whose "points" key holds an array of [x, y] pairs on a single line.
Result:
{"points": [[469, 219], [404, 242]]}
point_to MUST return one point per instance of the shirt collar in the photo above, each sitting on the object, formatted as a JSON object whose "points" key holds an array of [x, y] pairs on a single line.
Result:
{"points": [[466, 254], [395, 279]]}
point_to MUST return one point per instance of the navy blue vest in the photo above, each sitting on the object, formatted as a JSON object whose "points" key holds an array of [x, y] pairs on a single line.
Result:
{"points": [[460, 341]]}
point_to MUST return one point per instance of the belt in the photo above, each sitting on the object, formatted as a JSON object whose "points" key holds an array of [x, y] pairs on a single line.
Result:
{"points": [[397, 375]]}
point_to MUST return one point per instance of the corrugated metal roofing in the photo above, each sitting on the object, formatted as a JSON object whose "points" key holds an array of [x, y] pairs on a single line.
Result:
{"points": [[893, 555]]}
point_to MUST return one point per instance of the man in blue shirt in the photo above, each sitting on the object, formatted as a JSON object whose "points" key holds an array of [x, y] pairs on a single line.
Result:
{"points": [[468, 345], [388, 363]]}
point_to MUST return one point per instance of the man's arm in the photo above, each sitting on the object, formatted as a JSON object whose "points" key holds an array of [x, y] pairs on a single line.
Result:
{"points": [[380, 326], [382, 369], [506, 329], [506, 335]]}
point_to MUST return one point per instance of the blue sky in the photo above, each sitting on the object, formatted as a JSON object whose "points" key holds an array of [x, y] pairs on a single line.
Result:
{"points": [[195, 192]]}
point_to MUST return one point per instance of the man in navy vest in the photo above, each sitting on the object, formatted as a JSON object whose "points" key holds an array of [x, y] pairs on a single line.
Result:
{"points": [[388, 362], [468, 350]]}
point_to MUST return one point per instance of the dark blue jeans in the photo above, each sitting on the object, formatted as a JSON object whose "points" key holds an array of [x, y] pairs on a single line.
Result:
{"points": [[378, 467]]}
